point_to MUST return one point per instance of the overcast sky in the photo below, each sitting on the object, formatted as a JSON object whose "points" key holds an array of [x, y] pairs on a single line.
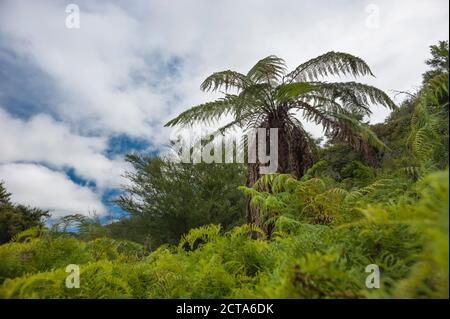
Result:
{"points": [[73, 101]]}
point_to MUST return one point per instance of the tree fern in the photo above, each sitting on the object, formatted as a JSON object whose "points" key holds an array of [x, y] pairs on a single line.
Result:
{"points": [[331, 63]]}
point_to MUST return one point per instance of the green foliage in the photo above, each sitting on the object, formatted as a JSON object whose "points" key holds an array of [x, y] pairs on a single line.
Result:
{"points": [[394, 132], [201, 234], [16, 218], [331, 63], [50, 251], [438, 61], [38, 255], [428, 217], [417, 132], [407, 236], [167, 199], [429, 124]]}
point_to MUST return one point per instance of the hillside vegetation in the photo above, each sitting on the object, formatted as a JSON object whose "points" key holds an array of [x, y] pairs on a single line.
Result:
{"points": [[315, 237]]}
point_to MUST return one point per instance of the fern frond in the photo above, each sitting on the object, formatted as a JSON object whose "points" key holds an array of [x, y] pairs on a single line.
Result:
{"points": [[227, 79], [359, 193], [211, 111], [268, 70], [429, 118], [203, 233], [287, 91], [331, 63], [355, 94], [361, 129], [311, 186], [245, 230], [28, 234]]}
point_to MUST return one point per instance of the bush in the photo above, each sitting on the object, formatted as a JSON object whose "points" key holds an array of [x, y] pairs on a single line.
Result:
{"points": [[405, 234]]}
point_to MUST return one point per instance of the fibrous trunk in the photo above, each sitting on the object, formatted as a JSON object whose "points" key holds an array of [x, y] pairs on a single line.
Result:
{"points": [[294, 157]]}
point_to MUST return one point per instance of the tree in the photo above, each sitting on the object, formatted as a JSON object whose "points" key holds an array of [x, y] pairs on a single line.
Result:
{"points": [[268, 97], [438, 61], [5, 197], [429, 122], [416, 133], [166, 199], [16, 218]]}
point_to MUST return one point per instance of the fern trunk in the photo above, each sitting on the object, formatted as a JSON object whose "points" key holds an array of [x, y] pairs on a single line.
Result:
{"points": [[294, 157]]}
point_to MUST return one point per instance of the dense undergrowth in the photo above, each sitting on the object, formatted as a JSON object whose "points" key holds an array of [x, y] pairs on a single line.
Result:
{"points": [[324, 235]]}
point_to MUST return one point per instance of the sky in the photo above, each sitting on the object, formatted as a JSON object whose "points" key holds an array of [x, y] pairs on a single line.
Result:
{"points": [[75, 100]]}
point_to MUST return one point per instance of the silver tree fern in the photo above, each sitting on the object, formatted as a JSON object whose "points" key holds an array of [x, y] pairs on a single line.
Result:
{"points": [[270, 97]]}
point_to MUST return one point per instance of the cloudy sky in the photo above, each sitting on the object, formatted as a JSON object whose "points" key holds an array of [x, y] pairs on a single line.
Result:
{"points": [[73, 101]]}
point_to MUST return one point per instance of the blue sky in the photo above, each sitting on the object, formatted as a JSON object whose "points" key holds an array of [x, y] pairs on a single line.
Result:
{"points": [[73, 102]]}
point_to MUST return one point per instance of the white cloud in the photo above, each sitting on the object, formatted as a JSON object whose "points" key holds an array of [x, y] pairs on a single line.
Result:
{"points": [[42, 139], [92, 66], [41, 187]]}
